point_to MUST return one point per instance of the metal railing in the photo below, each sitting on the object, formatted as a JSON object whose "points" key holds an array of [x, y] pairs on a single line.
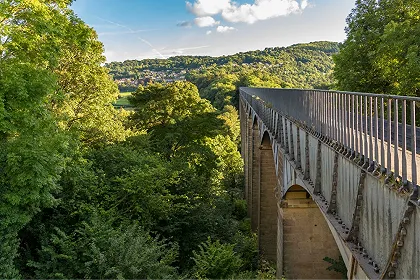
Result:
{"points": [[378, 130]]}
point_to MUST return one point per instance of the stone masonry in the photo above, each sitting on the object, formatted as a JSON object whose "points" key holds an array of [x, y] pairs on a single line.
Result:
{"points": [[306, 241], [267, 230]]}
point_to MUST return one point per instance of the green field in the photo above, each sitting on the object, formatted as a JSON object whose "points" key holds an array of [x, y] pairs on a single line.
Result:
{"points": [[122, 101]]}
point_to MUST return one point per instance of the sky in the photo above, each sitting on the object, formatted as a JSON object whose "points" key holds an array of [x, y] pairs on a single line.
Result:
{"points": [[139, 29]]}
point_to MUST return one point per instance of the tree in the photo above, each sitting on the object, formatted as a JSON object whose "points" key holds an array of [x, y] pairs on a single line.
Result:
{"points": [[83, 100], [380, 53], [52, 87], [31, 145], [97, 250], [354, 69], [398, 53], [199, 144], [162, 105], [216, 261], [176, 118]]}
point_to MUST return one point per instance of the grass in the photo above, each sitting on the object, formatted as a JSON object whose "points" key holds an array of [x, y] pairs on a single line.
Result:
{"points": [[122, 101], [125, 94]]}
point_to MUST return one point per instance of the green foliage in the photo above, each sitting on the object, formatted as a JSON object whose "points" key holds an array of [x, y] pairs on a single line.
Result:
{"points": [[316, 55], [31, 145], [54, 92], [218, 78], [135, 184], [83, 197], [246, 246], [185, 197], [97, 250], [266, 270], [215, 261], [185, 128], [85, 95], [162, 105], [380, 53], [337, 265]]}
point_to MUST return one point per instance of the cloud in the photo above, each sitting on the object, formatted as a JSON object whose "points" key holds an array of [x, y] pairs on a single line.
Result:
{"points": [[248, 13], [205, 21], [208, 32], [208, 7], [124, 32], [184, 24], [181, 51], [109, 55], [260, 10], [224, 29]]}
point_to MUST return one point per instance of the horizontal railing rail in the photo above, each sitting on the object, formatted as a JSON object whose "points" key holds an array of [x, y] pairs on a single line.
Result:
{"points": [[378, 130]]}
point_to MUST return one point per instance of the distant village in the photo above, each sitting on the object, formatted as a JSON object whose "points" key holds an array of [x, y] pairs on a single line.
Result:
{"points": [[147, 76], [143, 78]]}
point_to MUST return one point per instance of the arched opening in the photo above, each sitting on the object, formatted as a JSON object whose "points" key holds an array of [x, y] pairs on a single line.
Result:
{"points": [[296, 192], [254, 174], [246, 151], [306, 238], [267, 226]]}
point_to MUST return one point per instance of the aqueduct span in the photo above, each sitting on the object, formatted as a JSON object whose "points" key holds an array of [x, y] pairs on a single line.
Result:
{"points": [[332, 174]]}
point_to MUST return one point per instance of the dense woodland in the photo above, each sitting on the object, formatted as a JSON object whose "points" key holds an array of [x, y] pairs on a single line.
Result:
{"points": [[88, 191], [300, 66], [382, 50], [312, 54]]}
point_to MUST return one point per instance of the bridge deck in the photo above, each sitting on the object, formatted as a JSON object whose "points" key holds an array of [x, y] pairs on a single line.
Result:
{"points": [[327, 142], [357, 121]]}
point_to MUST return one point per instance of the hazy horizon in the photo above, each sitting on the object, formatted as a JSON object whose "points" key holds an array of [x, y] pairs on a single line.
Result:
{"points": [[165, 28]]}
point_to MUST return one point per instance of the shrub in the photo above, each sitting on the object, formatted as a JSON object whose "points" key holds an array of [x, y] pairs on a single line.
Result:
{"points": [[216, 261]]}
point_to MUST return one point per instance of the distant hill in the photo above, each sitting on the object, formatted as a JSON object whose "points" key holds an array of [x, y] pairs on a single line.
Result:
{"points": [[299, 65]]}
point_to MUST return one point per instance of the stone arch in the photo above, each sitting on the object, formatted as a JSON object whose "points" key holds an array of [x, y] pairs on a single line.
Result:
{"points": [[249, 112], [250, 123], [266, 140], [255, 123], [254, 173], [267, 222], [296, 192], [306, 237]]}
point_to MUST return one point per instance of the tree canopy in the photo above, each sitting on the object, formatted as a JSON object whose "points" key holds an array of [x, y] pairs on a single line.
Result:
{"points": [[88, 191], [91, 192], [51, 79], [381, 52]]}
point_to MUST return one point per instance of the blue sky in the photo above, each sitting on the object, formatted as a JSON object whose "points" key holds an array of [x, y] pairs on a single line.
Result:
{"points": [[138, 29]]}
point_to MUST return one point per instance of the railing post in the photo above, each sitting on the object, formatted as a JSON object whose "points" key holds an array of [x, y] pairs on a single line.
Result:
{"points": [[404, 144], [383, 170], [362, 147], [376, 158], [292, 148], [353, 130], [415, 194], [281, 136], [396, 142], [286, 138], [335, 104], [345, 118], [356, 127], [352, 123], [349, 126], [298, 152], [366, 149], [389, 158], [371, 156], [340, 119]]}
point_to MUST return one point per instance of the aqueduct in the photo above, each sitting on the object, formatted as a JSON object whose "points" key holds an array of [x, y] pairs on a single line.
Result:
{"points": [[331, 174]]}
